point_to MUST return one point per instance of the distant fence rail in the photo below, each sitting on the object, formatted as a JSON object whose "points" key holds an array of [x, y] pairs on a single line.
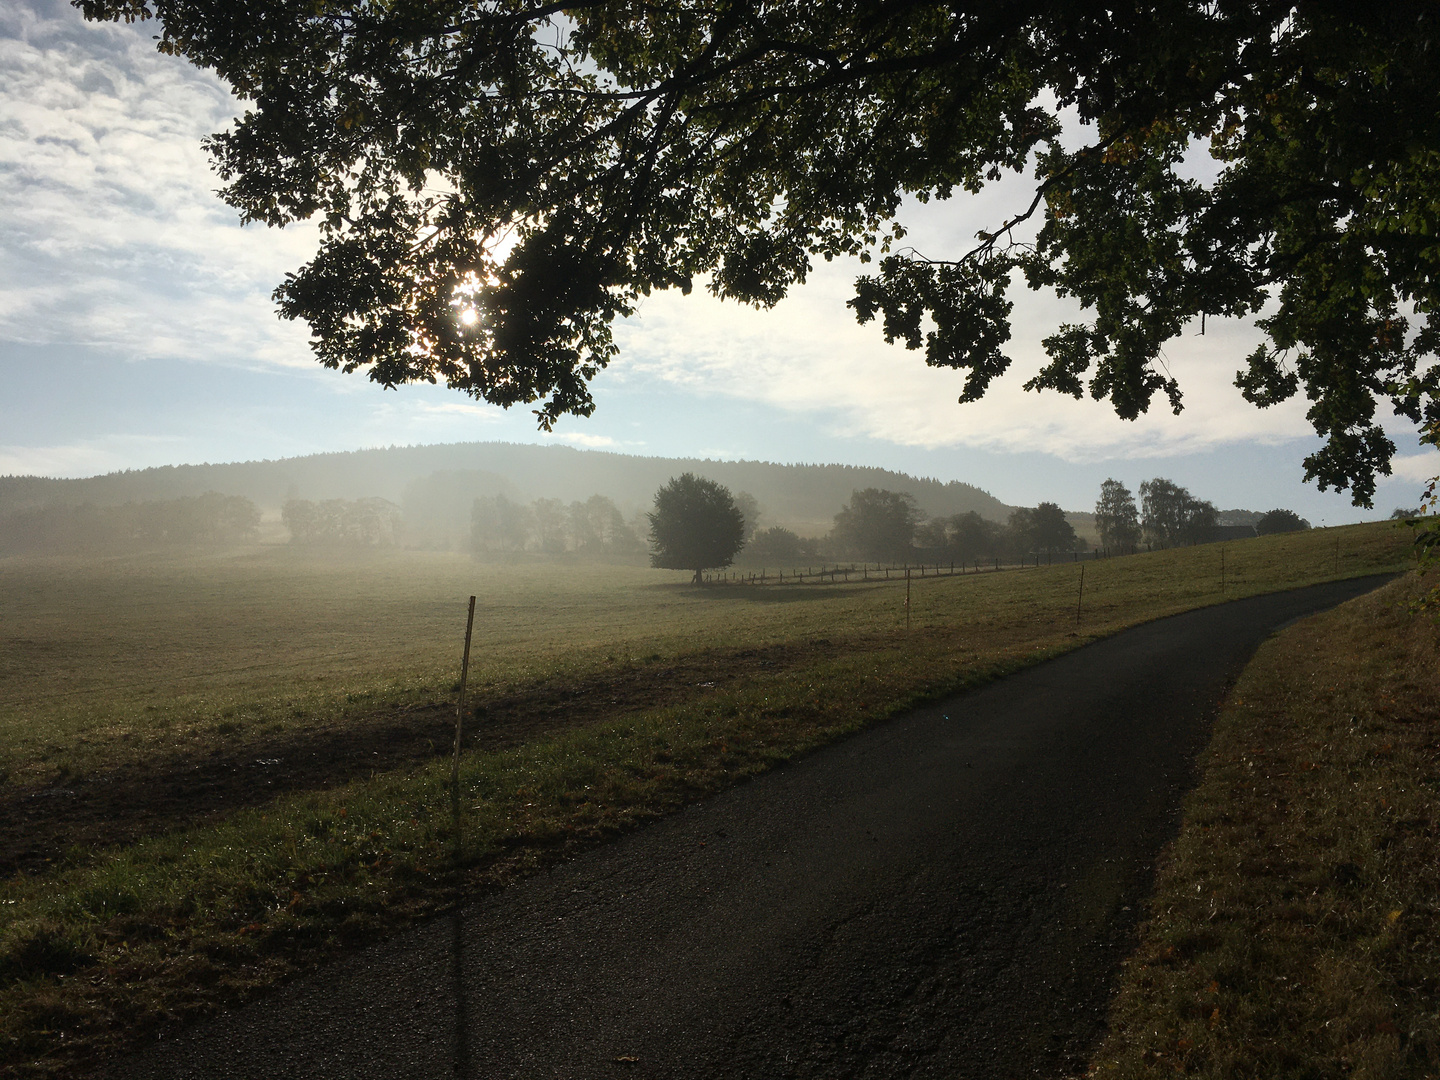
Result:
{"points": [[840, 573]]}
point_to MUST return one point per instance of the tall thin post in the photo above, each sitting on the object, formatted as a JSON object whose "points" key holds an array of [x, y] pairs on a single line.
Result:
{"points": [[1222, 570], [1081, 598], [460, 712], [907, 599], [1337, 556]]}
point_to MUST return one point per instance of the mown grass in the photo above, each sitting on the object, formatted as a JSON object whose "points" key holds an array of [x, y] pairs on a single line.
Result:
{"points": [[1295, 927], [109, 660], [96, 954]]}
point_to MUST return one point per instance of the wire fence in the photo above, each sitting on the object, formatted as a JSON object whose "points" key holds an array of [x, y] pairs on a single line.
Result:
{"points": [[841, 573]]}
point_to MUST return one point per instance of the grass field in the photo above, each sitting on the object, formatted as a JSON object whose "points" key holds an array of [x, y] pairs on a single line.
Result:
{"points": [[1295, 929], [95, 654], [605, 695]]}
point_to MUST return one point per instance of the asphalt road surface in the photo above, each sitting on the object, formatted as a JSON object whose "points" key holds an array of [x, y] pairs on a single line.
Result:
{"points": [[946, 895]]}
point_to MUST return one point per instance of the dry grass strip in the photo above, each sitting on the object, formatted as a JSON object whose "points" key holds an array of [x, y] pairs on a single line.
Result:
{"points": [[1295, 931]]}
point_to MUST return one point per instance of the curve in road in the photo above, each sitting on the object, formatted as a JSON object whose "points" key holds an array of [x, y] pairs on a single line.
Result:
{"points": [[945, 895]]}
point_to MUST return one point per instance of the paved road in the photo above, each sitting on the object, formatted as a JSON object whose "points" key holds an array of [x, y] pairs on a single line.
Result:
{"points": [[947, 895]]}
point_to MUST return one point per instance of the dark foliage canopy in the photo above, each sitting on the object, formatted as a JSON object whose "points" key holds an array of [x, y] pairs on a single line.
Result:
{"points": [[1281, 521], [695, 525], [1117, 519], [779, 545], [1171, 515], [877, 525], [371, 522], [498, 180], [1043, 529], [962, 537], [189, 521]]}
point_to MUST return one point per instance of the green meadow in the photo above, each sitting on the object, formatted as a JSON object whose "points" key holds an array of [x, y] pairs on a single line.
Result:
{"points": [[628, 693]]}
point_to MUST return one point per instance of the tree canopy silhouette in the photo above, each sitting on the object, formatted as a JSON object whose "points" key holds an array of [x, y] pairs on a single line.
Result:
{"points": [[1280, 521], [695, 526], [1043, 529], [1117, 519], [1171, 515], [877, 525], [497, 181]]}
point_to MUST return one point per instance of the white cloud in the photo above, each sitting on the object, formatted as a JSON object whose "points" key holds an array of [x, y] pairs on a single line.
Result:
{"points": [[461, 408], [89, 457], [112, 233], [810, 356], [111, 236], [1416, 467], [587, 440]]}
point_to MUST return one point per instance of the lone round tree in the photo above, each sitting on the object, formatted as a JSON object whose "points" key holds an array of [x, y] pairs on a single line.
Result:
{"points": [[695, 526], [877, 524]]}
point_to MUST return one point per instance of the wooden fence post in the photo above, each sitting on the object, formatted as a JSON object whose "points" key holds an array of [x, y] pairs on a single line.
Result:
{"points": [[907, 599], [460, 714]]}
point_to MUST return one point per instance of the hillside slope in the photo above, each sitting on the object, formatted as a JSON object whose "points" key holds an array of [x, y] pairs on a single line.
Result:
{"points": [[805, 497]]}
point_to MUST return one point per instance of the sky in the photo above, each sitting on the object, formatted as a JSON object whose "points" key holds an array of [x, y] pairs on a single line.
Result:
{"points": [[137, 329]]}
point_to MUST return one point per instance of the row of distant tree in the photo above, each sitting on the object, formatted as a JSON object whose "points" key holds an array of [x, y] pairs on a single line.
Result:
{"points": [[594, 528], [875, 525], [1168, 515], [190, 521], [693, 516], [888, 526], [698, 525], [371, 522]]}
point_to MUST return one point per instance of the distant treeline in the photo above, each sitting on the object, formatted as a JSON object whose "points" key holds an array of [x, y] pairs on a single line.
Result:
{"points": [[1169, 516], [499, 525], [968, 538], [887, 526], [191, 521], [371, 522], [877, 525], [435, 485], [594, 529]]}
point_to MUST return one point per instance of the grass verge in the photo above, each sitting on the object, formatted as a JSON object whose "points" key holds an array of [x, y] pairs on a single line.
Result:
{"points": [[100, 952], [1295, 927]]}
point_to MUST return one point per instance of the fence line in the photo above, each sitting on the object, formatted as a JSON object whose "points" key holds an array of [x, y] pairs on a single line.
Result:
{"points": [[841, 573]]}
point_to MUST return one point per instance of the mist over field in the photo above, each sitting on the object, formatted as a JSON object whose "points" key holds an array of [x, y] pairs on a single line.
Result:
{"points": [[425, 497], [435, 486], [230, 694]]}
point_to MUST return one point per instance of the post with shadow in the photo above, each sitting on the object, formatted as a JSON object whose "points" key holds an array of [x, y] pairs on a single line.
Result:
{"points": [[460, 720], [457, 929]]}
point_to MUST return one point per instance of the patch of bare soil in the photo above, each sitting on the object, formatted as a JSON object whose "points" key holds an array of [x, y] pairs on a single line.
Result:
{"points": [[43, 826]]}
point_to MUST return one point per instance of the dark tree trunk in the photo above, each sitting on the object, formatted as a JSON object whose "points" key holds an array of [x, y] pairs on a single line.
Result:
{"points": [[699, 578]]}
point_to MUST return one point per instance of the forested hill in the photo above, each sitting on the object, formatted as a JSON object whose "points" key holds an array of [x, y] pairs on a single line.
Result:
{"points": [[804, 497]]}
